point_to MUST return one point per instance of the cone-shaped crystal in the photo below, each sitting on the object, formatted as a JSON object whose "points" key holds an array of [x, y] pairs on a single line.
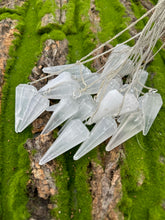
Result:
{"points": [[75, 133], [76, 70], [64, 110], [117, 58], [60, 87], [35, 108], [86, 108], [130, 104], [151, 104], [24, 95], [130, 126], [110, 104], [142, 78], [104, 129]]}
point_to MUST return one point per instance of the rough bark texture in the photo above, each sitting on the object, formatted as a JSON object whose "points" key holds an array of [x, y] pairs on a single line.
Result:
{"points": [[7, 29], [11, 4], [106, 187]]}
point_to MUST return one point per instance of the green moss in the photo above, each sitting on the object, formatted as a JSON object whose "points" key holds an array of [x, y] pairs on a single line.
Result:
{"points": [[54, 35], [70, 27], [62, 198], [43, 8], [143, 156], [14, 164], [113, 20], [18, 10], [17, 186]]}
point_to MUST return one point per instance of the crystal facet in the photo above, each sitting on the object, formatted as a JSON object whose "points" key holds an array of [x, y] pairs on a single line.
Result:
{"points": [[29, 105], [130, 126], [104, 129], [64, 110], [60, 87], [76, 70], [75, 133], [151, 104], [110, 104], [117, 58]]}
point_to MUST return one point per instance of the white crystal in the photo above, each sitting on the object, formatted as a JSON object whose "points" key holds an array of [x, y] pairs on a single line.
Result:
{"points": [[60, 87], [130, 126], [130, 103], [76, 70], [29, 105], [117, 58], [142, 76], [75, 133], [85, 109], [151, 104], [63, 111], [24, 94], [104, 129], [110, 104]]}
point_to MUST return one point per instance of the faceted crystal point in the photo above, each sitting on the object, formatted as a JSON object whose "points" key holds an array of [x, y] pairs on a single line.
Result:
{"points": [[37, 106], [29, 105], [142, 78], [130, 103], [151, 104], [117, 58], [110, 104], [130, 126], [75, 133], [64, 110], [24, 94], [104, 129], [86, 107], [60, 87], [74, 69]]}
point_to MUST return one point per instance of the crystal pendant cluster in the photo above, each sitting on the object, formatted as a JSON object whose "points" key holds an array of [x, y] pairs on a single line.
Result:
{"points": [[111, 101]]}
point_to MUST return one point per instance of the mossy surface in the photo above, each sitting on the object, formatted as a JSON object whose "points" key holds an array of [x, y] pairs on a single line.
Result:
{"points": [[142, 172], [14, 162]]}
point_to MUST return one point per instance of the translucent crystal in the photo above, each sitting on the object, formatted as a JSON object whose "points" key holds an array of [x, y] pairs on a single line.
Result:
{"points": [[104, 129], [130, 103], [85, 109], [130, 126], [151, 104], [64, 110], [142, 78], [126, 68], [60, 87], [114, 83], [74, 69], [24, 94], [29, 105], [116, 59], [75, 133], [110, 104], [93, 83]]}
